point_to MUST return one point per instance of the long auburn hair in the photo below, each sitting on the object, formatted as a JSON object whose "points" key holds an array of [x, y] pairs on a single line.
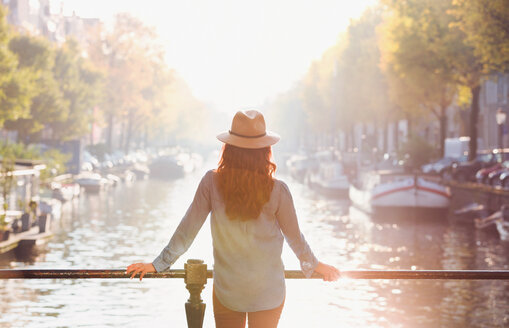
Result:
{"points": [[245, 180]]}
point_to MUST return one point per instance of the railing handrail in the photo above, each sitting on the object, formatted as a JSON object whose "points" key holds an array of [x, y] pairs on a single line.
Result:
{"points": [[289, 274], [195, 275]]}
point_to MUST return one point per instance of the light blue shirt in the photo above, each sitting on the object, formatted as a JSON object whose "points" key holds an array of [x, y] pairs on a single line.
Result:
{"points": [[248, 270]]}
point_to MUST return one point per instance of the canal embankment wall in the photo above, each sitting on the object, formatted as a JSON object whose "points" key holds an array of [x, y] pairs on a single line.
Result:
{"points": [[466, 193]]}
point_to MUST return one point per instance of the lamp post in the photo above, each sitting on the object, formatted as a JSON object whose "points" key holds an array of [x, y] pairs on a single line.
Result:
{"points": [[501, 117]]}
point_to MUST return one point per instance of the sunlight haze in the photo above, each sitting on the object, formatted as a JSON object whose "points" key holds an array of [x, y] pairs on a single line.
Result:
{"points": [[236, 54]]}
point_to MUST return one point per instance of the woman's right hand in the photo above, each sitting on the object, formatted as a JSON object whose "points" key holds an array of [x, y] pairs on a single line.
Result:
{"points": [[328, 272], [141, 268]]}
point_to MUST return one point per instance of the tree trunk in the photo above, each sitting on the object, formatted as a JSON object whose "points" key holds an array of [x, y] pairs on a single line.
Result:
{"points": [[376, 134], [386, 137], [351, 133], [474, 117], [109, 136], [122, 134], [396, 135], [443, 129], [145, 137], [129, 131], [409, 125]]}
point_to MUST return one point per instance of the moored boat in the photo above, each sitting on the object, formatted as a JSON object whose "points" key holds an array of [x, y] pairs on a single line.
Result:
{"points": [[167, 167], [91, 182], [381, 192], [140, 170], [20, 223], [298, 166], [64, 188], [33, 234], [329, 178]]}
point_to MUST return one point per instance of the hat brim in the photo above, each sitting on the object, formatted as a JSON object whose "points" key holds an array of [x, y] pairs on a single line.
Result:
{"points": [[267, 140]]}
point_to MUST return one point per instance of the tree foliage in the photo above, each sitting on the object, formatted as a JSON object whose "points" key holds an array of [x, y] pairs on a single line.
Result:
{"points": [[144, 98], [81, 86], [485, 25], [416, 45], [48, 105], [407, 59], [14, 86]]}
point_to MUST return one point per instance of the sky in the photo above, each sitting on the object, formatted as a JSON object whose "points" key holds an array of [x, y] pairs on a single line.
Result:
{"points": [[236, 54]]}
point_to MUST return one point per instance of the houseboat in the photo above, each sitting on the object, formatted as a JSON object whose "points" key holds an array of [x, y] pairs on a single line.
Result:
{"points": [[21, 224]]}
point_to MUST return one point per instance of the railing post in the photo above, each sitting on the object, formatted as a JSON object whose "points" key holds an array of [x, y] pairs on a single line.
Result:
{"points": [[195, 279]]}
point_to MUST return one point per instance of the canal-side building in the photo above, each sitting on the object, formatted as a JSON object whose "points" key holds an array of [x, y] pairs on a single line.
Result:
{"points": [[40, 17], [494, 96]]}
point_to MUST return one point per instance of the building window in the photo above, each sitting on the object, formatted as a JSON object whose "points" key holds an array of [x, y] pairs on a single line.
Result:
{"points": [[491, 91], [500, 88]]}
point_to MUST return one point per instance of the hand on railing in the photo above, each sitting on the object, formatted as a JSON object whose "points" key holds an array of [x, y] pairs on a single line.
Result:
{"points": [[328, 272], [141, 268]]}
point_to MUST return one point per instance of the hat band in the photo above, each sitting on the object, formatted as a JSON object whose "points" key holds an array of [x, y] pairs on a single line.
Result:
{"points": [[243, 136]]}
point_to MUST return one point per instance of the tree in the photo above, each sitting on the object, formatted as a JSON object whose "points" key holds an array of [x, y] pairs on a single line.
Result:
{"points": [[414, 57], [485, 25], [126, 54], [346, 86], [80, 84], [362, 85], [447, 54], [14, 85], [315, 100], [47, 102], [143, 96]]}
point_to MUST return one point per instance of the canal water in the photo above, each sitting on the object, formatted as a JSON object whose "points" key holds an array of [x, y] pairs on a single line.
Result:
{"points": [[132, 223]]}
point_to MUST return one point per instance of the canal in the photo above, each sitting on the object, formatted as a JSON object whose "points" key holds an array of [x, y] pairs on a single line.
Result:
{"points": [[134, 222]]}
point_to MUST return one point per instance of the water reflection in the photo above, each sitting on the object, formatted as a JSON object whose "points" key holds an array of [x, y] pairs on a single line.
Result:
{"points": [[133, 223]]}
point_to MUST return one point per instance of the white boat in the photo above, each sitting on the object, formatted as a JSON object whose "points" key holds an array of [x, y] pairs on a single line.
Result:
{"points": [[168, 167], [64, 189], [91, 182], [298, 166], [330, 178], [381, 191]]}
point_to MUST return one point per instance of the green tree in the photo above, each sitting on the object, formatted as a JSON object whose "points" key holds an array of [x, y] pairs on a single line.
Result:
{"points": [[346, 86], [48, 104], [80, 84], [415, 45], [143, 96], [485, 25], [126, 54], [447, 54], [14, 82], [362, 87]]}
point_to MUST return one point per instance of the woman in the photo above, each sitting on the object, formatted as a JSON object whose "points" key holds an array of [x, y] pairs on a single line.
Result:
{"points": [[251, 211]]}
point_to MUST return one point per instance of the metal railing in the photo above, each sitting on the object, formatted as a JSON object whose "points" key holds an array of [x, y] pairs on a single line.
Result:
{"points": [[195, 275]]}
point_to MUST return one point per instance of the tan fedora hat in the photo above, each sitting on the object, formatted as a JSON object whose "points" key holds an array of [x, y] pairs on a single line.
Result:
{"points": [[248, 131]]}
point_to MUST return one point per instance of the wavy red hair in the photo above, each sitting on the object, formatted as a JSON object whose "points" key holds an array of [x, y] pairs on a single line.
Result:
{"points": [[245, 180]]}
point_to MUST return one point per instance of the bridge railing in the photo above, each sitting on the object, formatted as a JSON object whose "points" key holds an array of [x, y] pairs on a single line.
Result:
{"points": [[195, 275]]}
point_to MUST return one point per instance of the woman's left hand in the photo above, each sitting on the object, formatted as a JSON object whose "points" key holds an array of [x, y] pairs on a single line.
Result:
{"points": [[328, 272], [141, 268]]}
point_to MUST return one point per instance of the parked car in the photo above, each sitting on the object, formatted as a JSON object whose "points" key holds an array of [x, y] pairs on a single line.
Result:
{"points": [[484, 175], [442, 164], [503, 179], [466, 171], [497, 177]]}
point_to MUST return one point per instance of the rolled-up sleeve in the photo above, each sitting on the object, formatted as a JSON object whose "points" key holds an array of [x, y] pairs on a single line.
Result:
{"points": [[188, 228], [287, 219]]}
